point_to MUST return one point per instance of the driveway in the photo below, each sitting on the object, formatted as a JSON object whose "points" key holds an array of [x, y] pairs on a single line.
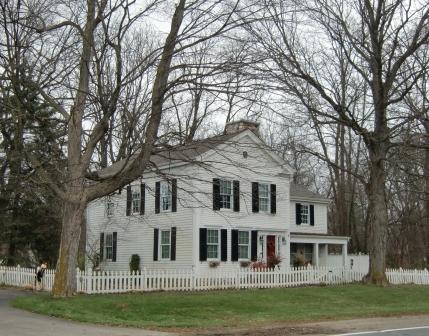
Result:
{"points": [[15, 322]]}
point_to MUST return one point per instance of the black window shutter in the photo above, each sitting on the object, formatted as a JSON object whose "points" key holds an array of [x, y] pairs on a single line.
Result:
{"points": [[128, 200], [223, 245], [115, 244], [254, 246], [236, 193], [155, 244], [173, 244], [273, 198], [312, 214], [216, 194], [255, 197], [101, 246], [234, 245], [174, 195], [157, 196], [203, 244], [298, 213], [142, 198]]}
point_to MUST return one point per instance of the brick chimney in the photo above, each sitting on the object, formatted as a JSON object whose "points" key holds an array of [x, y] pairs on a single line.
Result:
{"points": [[240, 125]]}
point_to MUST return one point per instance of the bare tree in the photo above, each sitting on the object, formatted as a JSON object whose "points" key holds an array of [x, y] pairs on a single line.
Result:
{"points": [[379, 41], [86, 67]]}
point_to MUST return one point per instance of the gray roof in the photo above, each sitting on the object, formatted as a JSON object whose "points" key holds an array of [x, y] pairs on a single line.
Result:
{"points": [[190, 152], [298, 191]]}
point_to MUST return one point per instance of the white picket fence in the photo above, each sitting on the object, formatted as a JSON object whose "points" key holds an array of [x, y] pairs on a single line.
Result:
{"points": [[408, 276], [25, 277], [188, 280], [180, 280]]}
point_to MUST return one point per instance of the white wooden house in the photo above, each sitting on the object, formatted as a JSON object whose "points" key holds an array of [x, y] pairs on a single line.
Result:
{"points": [[225, 201]]}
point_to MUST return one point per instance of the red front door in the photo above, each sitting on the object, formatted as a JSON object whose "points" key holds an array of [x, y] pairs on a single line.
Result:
{"points": [[271, 246]]}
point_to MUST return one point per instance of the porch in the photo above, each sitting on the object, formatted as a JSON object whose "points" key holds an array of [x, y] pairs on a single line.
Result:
{"points": [[313, 249]]}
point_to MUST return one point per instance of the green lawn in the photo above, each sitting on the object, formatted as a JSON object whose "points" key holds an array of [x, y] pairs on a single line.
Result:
{"points": [[233, 308]]}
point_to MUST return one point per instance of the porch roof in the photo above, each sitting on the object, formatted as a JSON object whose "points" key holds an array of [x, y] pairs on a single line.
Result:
{"points": [[314, 238]]}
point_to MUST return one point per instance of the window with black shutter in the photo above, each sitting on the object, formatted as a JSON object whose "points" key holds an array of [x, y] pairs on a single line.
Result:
{"points": [[128, 200], [115, 245], [273, 198], [203, 244], [254, 246], [174, 195], [142, 198], [173, 243], [255, 197], [298, 213], [236, 192], [101, 246], [234, 245], [224, 245], [157, 196], [311, 214], [155, 244]]}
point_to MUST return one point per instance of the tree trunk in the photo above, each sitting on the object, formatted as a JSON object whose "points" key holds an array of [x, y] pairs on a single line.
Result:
{"points": [[377, 215], [426, 199], [65, 277]]}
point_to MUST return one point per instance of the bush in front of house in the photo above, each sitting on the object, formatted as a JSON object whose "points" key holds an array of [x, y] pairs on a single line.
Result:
{"points": [[135, 263]]}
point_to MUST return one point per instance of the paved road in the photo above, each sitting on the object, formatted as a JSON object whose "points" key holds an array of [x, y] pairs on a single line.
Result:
{"points": [[15, 322], [415, 325], [413, 331]]}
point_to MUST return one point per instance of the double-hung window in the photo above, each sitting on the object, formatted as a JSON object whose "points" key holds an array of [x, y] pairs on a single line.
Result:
{"points": [[305, 214], [226, 197], [212, 244], [108, 246], [165, 196], [243, 245], [165, 244], [264, 197], [110, 208], [135, 200]]}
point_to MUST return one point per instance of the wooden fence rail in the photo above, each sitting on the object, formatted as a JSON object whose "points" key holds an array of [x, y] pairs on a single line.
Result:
{"points": [[189, 280]]}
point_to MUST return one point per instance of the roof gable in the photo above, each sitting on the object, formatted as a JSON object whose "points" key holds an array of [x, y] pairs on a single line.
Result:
{"points": [[199, 151]]}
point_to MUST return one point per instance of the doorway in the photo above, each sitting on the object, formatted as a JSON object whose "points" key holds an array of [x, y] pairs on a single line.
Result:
{"points": [[271, 246]]}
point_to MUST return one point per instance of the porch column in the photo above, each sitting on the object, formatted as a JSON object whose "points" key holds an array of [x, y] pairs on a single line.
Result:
{"points": [[316, 254], [323, 255], [344, 254]]}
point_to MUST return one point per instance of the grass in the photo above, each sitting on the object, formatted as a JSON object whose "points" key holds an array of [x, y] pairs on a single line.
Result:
{"points": [[233, 308]]}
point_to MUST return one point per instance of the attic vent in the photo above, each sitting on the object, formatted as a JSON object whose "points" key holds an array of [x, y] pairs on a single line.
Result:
{"points": [[240, 125]]}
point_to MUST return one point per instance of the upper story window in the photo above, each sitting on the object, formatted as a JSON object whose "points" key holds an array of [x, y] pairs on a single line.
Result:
{"points": [[110, 208], [135, 200], [305, 214], [264, 197], [166, 196], [226, 196], [212, 244]]}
